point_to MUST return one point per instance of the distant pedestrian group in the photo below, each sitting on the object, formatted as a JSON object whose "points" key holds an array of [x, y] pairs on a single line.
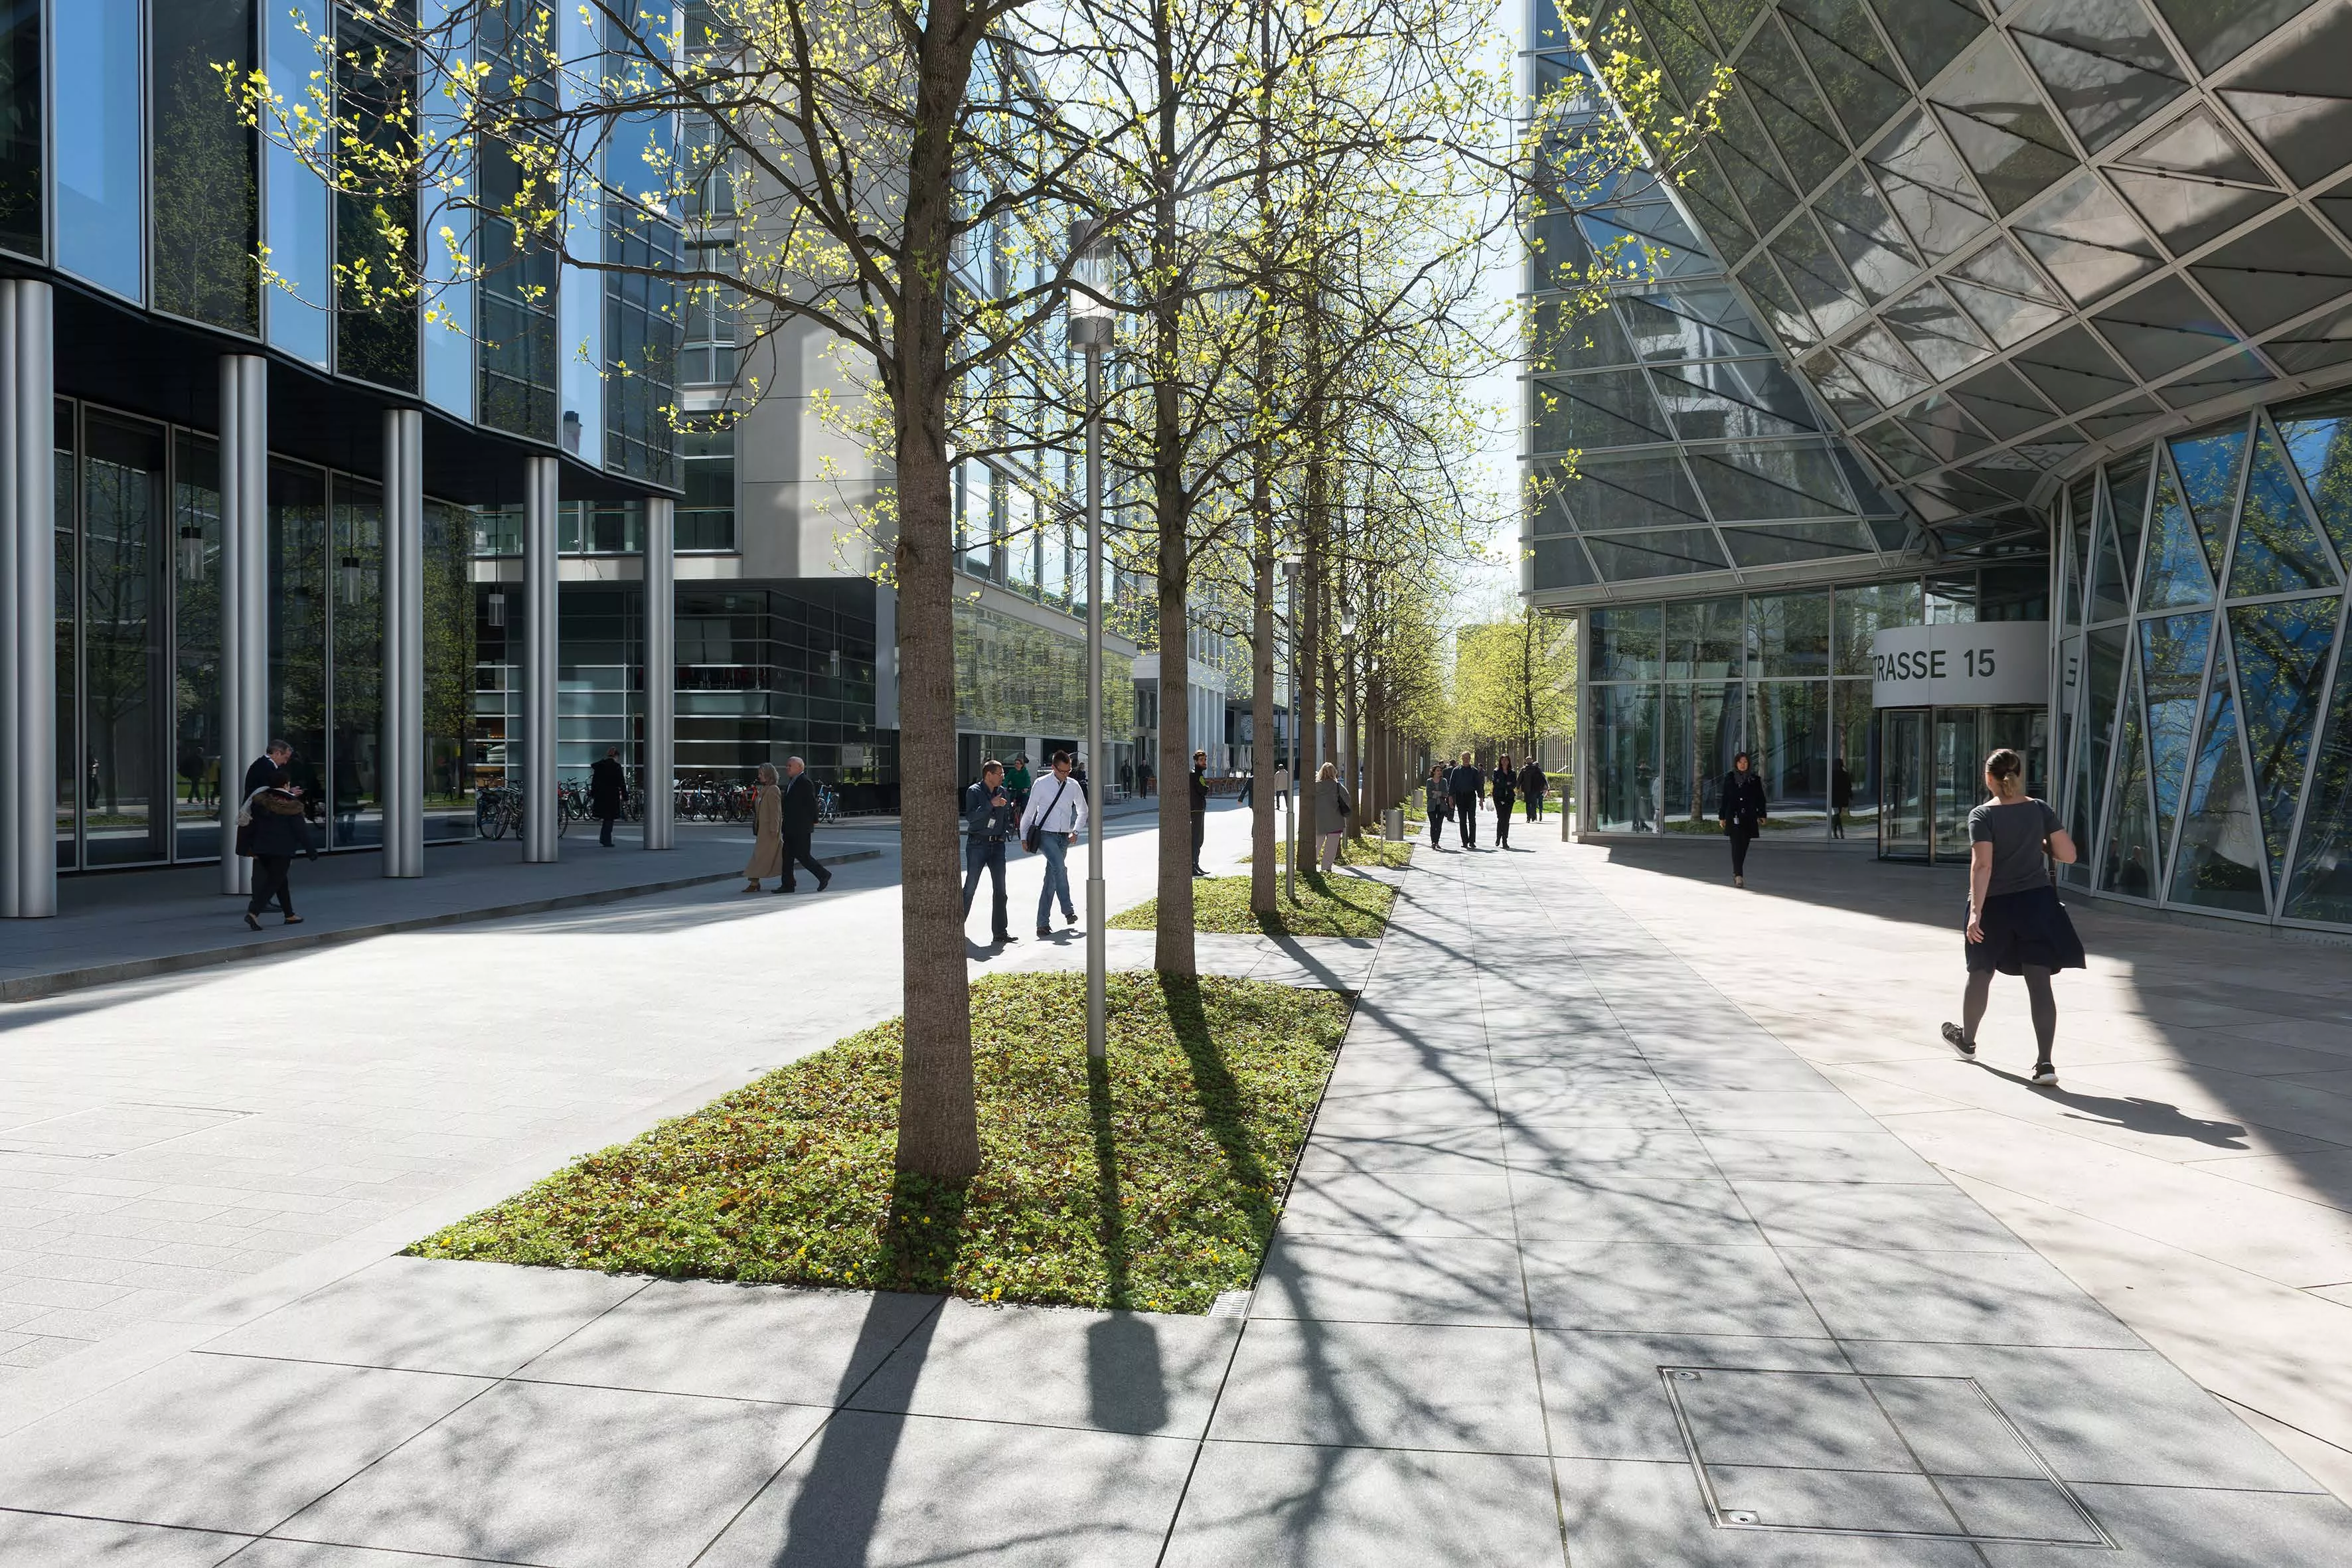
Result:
{"points": [[784, 829], [1455, 792]]}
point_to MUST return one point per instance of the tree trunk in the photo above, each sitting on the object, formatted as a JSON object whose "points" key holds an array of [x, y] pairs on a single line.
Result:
{"points": [[939, 1133], [1351, 753], [1262, 747], [1173, 947], [1304, 687]]}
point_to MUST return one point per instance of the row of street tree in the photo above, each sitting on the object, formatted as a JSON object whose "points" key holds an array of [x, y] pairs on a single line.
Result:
{"points": [[1298, 202]]}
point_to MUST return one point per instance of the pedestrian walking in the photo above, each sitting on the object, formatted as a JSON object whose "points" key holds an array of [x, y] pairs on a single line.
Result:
{"points": [[1249, 782], [798, 824], [1466, 784], [265, 771], [1438, 797], [1057, 811], [1332, 807], [1841, 797], [272, 828], [607, 791], [2016, 925], [1743, 813], [767, 831], [1506, 792], [989, 821], [1531, 789], [1199, 787], [1016, 780]]}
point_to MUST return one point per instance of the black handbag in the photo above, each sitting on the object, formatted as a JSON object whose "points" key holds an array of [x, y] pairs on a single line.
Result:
{"points": [[1031, 839]]}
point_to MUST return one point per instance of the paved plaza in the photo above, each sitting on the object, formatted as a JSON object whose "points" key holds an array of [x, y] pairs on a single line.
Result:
{"points": [[1641, 1223]]}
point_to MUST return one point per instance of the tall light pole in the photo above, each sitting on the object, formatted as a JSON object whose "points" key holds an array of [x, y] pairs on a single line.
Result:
{"points": [[1290, 800], [1090, 321]]}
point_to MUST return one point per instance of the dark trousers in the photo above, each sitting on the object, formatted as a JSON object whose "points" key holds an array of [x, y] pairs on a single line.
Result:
{"points": [[1502, 825], [985, 855], [606, 837], [270, 881], [1739, 843], [797, 849], [1199, 836], [1535, 809], [1465, 812], [1436, 825]]}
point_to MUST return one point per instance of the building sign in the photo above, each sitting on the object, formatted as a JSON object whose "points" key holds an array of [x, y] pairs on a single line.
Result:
{"points": [[1961, 665]]}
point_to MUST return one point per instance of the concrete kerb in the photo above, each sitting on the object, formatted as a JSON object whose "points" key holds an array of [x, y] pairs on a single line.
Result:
{"points": [[32, 987]]}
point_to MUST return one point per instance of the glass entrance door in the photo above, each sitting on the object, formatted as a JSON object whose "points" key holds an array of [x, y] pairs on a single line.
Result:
{"points": [[1903, 790], [1958, 763]]}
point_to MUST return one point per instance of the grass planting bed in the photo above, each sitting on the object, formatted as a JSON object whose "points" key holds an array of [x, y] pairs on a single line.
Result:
{"points": [[1326, 905], [1380, 852], [1153, 1184]]}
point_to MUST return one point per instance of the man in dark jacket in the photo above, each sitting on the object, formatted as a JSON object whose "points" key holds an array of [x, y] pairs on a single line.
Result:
{"points": [[990, 820], [1465, 783], [606, 789], [1531, 789], [1507, 784], [1200, 788], [265, 769], [799, 825]]}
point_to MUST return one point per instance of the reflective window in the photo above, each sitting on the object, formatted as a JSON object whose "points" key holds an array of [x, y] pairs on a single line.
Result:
{"points": [[1789, 634], [207, 173], [2281, 650], [2219, 863], [126, 671], [20, 126], [1625, 643], [296, 577], [2279, 550], [355, 797], [1628, 795], [2322, 889], [450, 654], [198, 745], [296, 218], [706, 517], [2172, 666], [376, 236], [100, 195]]}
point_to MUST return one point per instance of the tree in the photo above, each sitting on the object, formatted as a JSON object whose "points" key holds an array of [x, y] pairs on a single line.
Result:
{"points": [[1515, 681]]}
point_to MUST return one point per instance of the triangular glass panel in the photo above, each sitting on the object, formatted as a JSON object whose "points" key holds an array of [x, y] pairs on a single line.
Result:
{"points": [[2209, 466], [1994, 116], [2102, 671], [2007, 319], [2110, 588], [2087, 238], [2279, 550], [2322, 888], [2295, 100], [2002, 402], [2281, 650], [1749, 161], [1847, 397], [2197, 143], [2281, 269], [2127, 488], [1928, 187], [1891, 374], [2318, 437], [1761, 278], [1898, 448], [2216, 32], [1865, 234], [1817, 276], [2231, 373], [2117, 418], [1928, 33], [1865, 88], [2188, 213], [2218, 865], [1945, 340], [2000, 266], [2172, 666], [2163, 327], [2105, 66], [2129, 865], [2321, 343], [1800, 123], [2072, 370], [2175, 573]]}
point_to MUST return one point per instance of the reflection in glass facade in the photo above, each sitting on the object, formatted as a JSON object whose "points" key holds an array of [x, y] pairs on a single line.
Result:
{"points": [[2201, 580], [206, 166], [1031, 678], [20, 127], [97, 161]]}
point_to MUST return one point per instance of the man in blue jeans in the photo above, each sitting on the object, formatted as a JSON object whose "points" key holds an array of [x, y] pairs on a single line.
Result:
{"points": [[1057, 811], [989, 814]]}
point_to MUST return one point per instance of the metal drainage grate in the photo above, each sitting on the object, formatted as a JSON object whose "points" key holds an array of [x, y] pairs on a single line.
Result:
{"points": [[1231, 1304], [1842, 1453]]}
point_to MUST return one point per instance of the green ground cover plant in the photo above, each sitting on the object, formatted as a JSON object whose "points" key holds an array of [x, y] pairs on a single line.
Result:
{"points": [[1380, 852], [1326, 905], [1153, 1181]]}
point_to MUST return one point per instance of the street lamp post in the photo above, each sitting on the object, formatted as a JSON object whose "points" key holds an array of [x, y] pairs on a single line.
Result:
{"points": [[1090, 323]]}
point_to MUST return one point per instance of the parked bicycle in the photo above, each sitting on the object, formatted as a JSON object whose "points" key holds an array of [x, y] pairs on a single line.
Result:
{"points": [[498, 810]]}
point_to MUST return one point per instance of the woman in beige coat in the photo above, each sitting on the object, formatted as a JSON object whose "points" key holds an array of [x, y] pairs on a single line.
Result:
{"points": [[768, 831]]}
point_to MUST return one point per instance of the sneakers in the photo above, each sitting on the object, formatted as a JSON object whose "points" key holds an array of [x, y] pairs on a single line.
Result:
{"points": [[1960, 1042], [2044, 1076], [1739, 881]]}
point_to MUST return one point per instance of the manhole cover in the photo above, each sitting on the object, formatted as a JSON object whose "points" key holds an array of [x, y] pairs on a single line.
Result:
{"points": [[1856, 1453]]}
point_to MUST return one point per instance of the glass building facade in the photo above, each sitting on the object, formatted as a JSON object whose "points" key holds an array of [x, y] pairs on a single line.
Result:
{"points": [[2068, 283]]}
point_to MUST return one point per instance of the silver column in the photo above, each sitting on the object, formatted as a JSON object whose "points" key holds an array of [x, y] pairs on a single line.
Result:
{"points": [[661, 674], [244, 593], [1097, 896], [539, 660], [403, 769], [28, 606]]}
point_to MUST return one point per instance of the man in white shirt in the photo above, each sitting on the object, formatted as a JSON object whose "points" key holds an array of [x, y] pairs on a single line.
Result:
{"points": [[1055, 812]]}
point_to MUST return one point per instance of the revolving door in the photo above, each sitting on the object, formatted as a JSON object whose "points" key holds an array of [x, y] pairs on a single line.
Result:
{"points": [[1931, 773]]}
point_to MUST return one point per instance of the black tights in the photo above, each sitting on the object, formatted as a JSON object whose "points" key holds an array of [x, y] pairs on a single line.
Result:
{"points": [[2037, 990]]}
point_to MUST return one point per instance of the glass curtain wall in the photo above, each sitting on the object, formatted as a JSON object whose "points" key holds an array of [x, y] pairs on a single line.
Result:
{"points": [[2207, 733], [207, 192], [449, 643], [126, 674], [355, 797], [21, 230], [197, 645], [100, 167], [1678, 690]]}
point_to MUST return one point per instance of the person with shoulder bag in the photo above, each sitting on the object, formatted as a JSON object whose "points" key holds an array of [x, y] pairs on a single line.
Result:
{"points": [[272, 830], [1057, 811]]}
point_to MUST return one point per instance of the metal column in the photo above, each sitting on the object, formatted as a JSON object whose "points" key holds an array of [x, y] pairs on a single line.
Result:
{"points": [[244, 593], [402, 770], [539, 651], [1098, 895], [661, 675], [28, 605]]}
